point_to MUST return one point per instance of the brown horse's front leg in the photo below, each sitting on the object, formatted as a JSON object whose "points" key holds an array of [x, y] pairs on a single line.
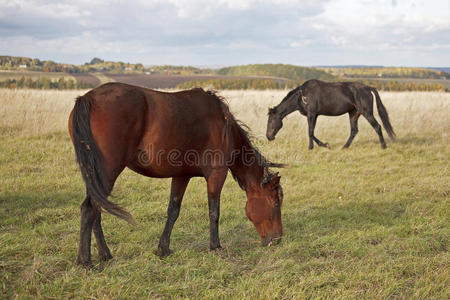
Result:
{"points": [[214, 184], [178, 188]]}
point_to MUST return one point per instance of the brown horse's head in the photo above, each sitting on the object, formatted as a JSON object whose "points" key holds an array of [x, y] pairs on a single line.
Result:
{"points": [[264, 209], [274, 124]]}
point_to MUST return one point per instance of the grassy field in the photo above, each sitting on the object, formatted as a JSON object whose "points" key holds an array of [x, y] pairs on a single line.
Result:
{"points": [[361, 223]]}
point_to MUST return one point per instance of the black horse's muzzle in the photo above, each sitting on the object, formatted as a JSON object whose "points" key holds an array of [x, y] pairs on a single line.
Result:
{"points": [[270, 137]]}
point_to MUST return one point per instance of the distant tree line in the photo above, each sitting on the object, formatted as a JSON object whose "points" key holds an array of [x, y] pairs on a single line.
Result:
{"points": [[95, 65], [291, 72], [284, 76], [387, 72], [44, 83], [264, 84], [395, 86], [178, 70], [237, 84]]}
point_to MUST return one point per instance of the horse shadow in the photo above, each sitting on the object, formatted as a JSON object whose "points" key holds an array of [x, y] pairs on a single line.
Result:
{"points": [[416, 140], [37, 209], [403, 141]]}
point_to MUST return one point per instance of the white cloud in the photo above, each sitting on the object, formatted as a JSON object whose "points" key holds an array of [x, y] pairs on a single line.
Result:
{"points": [[229, 31]]}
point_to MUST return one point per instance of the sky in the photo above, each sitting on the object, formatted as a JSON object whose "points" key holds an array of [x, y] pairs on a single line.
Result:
{"points": [[230, 32]]}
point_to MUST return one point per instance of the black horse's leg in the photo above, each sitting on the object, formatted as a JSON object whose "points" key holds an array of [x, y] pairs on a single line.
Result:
{"points": [[178, 188], [377, 128], [353, 115], [88, 214], [103, 250], [311, 124], [214, 184], [312, 119]]}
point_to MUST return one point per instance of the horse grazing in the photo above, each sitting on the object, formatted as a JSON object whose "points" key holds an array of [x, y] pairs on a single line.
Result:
{"points": [[316, 98], [179, 135]]}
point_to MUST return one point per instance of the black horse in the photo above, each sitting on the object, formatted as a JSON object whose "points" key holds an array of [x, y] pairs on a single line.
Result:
{"points": [[316, 98]]}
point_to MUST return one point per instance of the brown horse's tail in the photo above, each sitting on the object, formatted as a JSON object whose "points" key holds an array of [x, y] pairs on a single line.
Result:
{"points": [[90, 160], [384, 115]]}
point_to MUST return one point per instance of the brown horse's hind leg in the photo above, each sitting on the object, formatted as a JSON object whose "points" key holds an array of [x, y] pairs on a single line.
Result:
{"points": [[91, 221], [178, 188], [215, 183], [354, 116], [88, 215], [103, 250]]}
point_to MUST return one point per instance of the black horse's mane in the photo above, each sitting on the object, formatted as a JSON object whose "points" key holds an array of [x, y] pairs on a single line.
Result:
{"points": [[291, 93], [246, 133], [273, 110]]}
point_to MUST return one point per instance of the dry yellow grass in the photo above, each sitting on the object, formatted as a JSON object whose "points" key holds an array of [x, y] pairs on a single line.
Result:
{"points": [[35, 112], [32, 112]]}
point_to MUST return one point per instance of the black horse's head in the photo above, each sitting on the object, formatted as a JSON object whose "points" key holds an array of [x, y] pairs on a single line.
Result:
{"points": [[274, 123], [277, 113]]}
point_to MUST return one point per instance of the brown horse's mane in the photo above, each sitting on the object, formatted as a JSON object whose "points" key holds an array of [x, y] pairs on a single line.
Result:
{"points": [[246, 133]]}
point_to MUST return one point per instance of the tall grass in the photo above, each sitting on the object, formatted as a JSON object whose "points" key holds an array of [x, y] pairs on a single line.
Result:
{"points": [[361, 223], [31, 112]]}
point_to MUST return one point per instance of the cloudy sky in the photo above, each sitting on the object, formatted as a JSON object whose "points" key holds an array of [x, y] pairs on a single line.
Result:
{"points": [[229, 32]]}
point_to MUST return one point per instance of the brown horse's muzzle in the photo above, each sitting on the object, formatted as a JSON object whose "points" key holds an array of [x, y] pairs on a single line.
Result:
{"points": [[271, 240]]}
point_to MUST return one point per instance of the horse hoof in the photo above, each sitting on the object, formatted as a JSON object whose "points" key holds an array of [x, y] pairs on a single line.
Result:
{"points": [[105, 257], [326, 145], [162, 252], [86, 264], [216, 248]]}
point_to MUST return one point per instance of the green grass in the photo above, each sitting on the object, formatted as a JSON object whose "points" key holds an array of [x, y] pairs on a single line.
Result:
{"points": [[358, 223]]}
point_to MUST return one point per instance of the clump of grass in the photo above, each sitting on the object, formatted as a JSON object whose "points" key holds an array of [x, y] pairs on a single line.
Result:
{"points": [[358, 223]]}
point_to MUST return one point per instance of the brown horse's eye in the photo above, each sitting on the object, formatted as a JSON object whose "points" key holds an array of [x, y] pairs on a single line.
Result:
{"points": [[276, 205]]}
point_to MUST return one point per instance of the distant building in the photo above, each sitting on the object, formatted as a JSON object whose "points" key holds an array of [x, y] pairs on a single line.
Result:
{"points": [[23, 66]]}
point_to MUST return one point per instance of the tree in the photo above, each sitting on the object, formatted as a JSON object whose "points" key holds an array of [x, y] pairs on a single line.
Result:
{"points": [[96, 61]]}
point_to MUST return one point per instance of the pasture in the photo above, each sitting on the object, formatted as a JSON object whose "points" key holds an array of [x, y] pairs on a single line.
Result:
{"points": [[358, 223]]}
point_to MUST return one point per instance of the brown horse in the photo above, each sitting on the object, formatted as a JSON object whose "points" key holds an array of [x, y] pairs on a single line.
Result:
{"points": [[180, 135]]}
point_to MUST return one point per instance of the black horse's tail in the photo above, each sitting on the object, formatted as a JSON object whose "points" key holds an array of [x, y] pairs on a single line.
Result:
{"points": [[383, 115], [90, 160]]}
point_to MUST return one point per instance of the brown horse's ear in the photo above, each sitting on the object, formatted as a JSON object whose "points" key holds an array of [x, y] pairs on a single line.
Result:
{"points": [[269, 178], [275, 181]]}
